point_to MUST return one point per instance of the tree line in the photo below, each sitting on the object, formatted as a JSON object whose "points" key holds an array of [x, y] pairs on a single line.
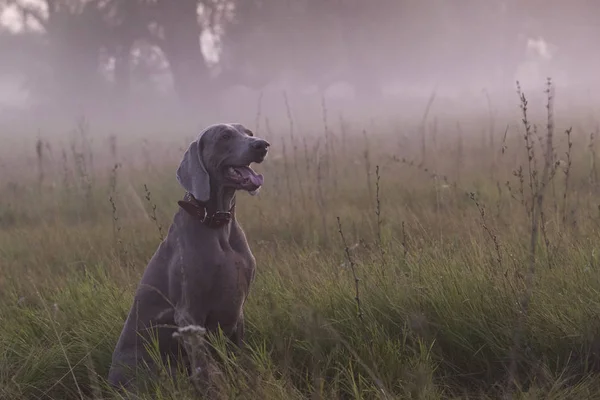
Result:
{"points": [[110, 46]]}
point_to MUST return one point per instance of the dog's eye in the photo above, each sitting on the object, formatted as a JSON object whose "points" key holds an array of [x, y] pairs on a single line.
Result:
{"points": [[227, 136]]}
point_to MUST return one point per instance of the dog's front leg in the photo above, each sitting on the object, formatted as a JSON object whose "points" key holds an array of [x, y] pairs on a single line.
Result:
{"points": [[237, 336], [192, 336]]}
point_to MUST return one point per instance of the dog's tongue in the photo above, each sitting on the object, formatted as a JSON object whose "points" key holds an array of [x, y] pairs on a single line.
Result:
{"points": [[255, 180]]}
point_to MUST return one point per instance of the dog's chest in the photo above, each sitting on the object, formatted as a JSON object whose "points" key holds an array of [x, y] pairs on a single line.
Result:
{"points": [[232, 277], [234, 273]]}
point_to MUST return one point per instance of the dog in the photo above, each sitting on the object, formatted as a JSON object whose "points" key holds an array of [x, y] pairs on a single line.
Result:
{"points": [[202, 271]]}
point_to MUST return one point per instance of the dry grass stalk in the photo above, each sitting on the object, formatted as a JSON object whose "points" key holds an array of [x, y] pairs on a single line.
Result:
{"points": [[259, 102], [423, 128], [344, 134], [367, 158], [352, 265], [39, 151], [204, 369], [567, 172], [593, 175], [320, 194], [460, 153], [286, 170], [404, 241], [52, 318], [153, 215], [538, 186], [487, 229], [327, 138], [379, 220], [112, 146], [307, 160]]}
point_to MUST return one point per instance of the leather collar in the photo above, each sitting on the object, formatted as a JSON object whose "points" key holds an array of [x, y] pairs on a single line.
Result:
{"points": [[199, 210]]}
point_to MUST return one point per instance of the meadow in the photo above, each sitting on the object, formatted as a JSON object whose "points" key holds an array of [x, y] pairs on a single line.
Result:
{"points": [[440, 260]]}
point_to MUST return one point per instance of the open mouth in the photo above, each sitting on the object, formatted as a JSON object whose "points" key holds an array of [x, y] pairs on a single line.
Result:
{"points": [[245, 178]]}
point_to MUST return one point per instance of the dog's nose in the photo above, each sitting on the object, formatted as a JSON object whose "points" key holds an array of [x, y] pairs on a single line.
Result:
{"points": [[260, 144]]}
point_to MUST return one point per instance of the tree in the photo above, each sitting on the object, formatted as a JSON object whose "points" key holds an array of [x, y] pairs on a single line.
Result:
{"points": [[315, 41], [175, 28], [84, 37]]}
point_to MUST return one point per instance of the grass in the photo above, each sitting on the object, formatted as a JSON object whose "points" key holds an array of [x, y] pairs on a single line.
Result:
{"points": [[469, 274]]}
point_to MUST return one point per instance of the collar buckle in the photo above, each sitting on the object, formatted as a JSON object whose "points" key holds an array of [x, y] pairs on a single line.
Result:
{"points": [[219, 218]]}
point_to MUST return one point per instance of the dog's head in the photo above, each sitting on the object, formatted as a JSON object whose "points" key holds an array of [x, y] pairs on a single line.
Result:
{"points": [[221, 157]]}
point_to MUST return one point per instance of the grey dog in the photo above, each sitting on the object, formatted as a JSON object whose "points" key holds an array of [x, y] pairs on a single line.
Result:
{"points": [[202, 270]]}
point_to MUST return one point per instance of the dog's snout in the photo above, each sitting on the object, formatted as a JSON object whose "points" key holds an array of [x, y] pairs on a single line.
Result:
{"points": [[260, 144]]}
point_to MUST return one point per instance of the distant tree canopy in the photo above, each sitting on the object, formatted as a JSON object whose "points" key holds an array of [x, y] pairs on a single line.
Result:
{"points": [[105, 46], [84, 38]]}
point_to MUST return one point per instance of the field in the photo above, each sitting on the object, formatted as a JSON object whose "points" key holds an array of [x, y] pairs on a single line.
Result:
{"points": [[438, 260]]}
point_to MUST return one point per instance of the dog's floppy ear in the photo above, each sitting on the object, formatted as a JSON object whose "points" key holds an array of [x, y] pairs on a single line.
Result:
{"points": [[192, 174]]}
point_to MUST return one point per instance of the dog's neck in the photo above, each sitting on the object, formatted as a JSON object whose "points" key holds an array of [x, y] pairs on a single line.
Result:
{"points": [[222, 199], [217, 212]]}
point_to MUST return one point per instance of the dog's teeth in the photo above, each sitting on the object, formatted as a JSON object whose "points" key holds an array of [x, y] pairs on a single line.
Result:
{"points": [[234, 171], [254, 192]]}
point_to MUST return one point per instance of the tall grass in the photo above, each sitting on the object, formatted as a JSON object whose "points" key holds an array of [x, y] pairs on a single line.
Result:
{"points": [[381, 274]]}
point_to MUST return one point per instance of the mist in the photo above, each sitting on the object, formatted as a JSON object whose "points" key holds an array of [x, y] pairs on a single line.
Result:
{"points": [[428, 218], [149, 65]]}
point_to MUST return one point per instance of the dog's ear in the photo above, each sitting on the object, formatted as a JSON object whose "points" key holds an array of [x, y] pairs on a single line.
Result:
{"points": [[192, 174]]}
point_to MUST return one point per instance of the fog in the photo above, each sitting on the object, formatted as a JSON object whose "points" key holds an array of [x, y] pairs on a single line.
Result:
{"points": [[141, 65]]}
